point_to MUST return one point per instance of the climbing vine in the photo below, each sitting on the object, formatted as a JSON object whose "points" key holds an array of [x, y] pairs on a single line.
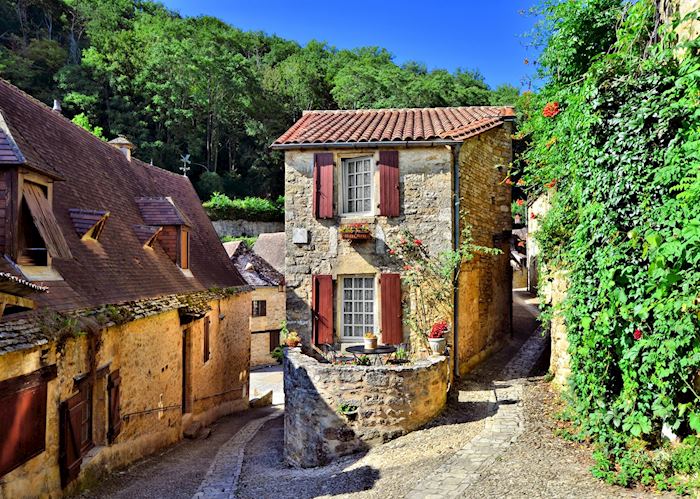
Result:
{"points": [[614, 143]]}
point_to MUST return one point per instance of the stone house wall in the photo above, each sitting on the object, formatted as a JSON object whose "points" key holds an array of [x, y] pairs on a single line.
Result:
{"points": [[261, 328], [148, 354], [485, 283], [426, 211], [391, 401]]}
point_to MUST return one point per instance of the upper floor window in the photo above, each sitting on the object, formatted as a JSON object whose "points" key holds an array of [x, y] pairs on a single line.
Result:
{"points": [[358, 189], [259, 308]]}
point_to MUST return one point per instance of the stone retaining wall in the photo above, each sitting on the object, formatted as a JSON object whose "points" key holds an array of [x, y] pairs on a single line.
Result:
{"points": [[392, 401], [237, 228]]}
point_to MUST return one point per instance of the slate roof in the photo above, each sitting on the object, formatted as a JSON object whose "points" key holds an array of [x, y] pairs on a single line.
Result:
{"points": [[161, 211], [393, 125], [9, 153], [271, 247], [254, 269], [99, 177]]}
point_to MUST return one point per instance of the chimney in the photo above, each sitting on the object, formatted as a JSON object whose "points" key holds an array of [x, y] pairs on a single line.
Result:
{"points": [[123, 144], [57, 106]]}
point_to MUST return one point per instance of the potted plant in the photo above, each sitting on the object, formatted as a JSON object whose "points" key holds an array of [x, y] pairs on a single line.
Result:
{"points": [[400, 356], [348, 410], [292, 339], [436, 337], [355, 231], [370, 340]]}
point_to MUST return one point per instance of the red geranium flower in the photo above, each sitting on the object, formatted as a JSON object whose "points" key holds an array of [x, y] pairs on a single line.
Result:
{"points": [[552, 183], [407, 267], [637, 334], [417, 242], [533, 215], [551, 110], [438, 330], [392, 252], [509, 181], [520, 202]]}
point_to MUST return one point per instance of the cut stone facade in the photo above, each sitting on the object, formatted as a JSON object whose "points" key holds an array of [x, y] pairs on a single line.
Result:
{"points": [[390, 401], [427, 204]]}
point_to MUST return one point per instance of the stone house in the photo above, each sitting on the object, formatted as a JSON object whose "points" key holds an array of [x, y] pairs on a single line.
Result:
{"points": [[122, 322], [395, 169], [267, 306]]}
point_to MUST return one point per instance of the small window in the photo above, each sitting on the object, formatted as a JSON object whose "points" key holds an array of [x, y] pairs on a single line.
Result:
{"points": [[358, 306], [207, 352], [184, 249], [259, 308], [85, 389], [274, 340], [358, 185]]}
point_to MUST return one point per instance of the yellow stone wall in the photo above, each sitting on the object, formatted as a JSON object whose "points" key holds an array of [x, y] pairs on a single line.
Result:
{"points": [[484, 304], [148, 354]]}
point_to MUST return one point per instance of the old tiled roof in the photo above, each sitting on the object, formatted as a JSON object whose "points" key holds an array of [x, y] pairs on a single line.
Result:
{"points": [[161, 211], [84, 220], [255, 270], [271, 247], [146, 233], [98, 176], [393, 125], [17, 286]]}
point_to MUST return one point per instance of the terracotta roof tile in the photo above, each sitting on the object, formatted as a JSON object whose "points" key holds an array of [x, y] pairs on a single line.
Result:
{"points": [[84, 220], [383, 125], [161, 211], [9, 153]]}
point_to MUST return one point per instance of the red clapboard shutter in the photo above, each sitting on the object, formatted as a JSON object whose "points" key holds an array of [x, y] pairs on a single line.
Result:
{"points": [[70, 454], [22, 426], [389, 183], [322, 309], [392, 327], [323, 185], [115, 420]]}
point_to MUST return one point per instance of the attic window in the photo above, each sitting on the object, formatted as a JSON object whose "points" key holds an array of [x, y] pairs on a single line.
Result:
{"points": [[88, 223], [147, 234], [39, 236]]}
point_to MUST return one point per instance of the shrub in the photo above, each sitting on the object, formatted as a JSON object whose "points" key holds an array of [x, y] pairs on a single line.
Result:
{"points": [[221, 207]]}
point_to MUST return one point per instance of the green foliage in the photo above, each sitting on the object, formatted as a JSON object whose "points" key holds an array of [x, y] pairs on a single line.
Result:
{"points": [[278, 354], [346, 408], [83, 122], [363, 360], [619, 165], [175, 85], [248, 241], [221, 207]]}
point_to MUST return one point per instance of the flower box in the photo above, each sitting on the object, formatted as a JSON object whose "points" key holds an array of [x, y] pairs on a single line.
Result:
{"points": [[355, 232]]}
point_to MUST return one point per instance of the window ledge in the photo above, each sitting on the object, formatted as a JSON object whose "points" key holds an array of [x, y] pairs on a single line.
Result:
{"points": [[40, 273]]}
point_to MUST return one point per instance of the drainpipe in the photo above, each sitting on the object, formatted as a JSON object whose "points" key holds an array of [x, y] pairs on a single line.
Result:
{"points": [[455, 292]]}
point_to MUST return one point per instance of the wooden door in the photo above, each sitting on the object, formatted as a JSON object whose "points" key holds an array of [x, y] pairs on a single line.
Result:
{"points": [[70, 456]]}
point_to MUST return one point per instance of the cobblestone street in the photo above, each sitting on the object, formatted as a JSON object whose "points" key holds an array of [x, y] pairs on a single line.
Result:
{"points": [[496, 439]]}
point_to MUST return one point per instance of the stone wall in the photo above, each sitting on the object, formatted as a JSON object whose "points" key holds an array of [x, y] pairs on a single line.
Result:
{"points": [[560, 360], [270, 323], [148, 354], [248, 228], [485, 283], [425, 186], [391, 401]]}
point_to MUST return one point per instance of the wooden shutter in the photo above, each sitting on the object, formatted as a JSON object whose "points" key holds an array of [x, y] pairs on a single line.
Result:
{"points": [[323, 185], [392, 325], [184, 249], [22, 425], [45, 221], [70, 457], [322, 309], [389, 183], [114, 417], [207, 351]]}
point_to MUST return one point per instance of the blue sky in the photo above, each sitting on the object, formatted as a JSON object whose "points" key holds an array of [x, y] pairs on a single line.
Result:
{"points": [[487, 35]]}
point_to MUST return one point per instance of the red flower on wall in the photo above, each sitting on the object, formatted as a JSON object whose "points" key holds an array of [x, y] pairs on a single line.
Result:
{"points": [[551, 110], [533, 215], [392, 252], [637, 334], [552, 183], [509, 181], [438, 330], [520, 202], [417, 242], [407, 267]]}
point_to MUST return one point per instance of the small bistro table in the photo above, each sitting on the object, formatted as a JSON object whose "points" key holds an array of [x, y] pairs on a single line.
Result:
{"points": [[380, 350]]}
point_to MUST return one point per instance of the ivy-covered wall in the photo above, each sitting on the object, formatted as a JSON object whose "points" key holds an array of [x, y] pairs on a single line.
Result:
{"points": [[614, 139]]}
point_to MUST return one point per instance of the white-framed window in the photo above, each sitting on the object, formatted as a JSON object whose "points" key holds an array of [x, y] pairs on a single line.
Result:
{"points": [[358, 306], [358, 185]]}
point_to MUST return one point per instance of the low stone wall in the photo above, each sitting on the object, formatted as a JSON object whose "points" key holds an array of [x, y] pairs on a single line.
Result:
{"points": [[392, 401], [237, 228]]}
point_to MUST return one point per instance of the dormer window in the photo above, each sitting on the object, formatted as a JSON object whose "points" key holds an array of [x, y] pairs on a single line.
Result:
{"points": [[39, 236], [88, 223]]}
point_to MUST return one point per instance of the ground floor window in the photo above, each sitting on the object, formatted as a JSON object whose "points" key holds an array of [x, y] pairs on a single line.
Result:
{"points": [[358, 309]]}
